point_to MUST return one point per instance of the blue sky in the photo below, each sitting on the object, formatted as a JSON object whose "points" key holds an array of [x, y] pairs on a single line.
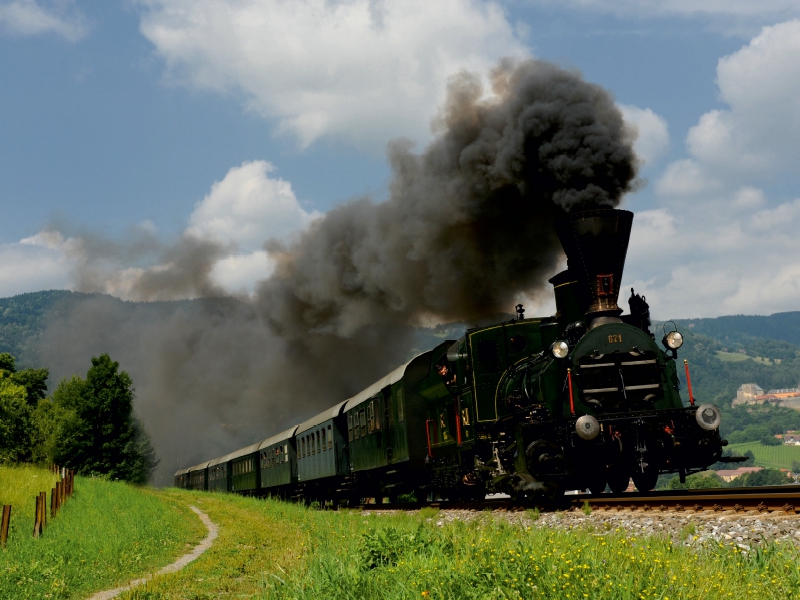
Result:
{"points": [[241, 120]]}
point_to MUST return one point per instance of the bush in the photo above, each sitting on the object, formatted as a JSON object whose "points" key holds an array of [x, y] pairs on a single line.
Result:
{"points": [[15, 421], [763, 477], [698, 481]]}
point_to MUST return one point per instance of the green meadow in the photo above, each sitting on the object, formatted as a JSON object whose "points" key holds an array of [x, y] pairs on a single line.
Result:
{"points": [[271, 549], [774, 457], [109, 532], [105, 534]]}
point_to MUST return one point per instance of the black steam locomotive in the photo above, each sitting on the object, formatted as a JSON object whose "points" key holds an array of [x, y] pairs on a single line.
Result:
{"points": [[531, 407]]}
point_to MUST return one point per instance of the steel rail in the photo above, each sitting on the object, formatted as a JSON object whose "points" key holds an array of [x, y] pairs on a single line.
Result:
{"points": [[779, 499]]}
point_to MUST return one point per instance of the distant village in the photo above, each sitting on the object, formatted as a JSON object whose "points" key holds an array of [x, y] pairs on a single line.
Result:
{"points": [[751, 393]]}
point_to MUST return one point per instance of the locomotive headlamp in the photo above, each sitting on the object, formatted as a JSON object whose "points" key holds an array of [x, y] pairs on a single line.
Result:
{"points": [[708, 417], [673, 339], [587, 427], [560, 349]]}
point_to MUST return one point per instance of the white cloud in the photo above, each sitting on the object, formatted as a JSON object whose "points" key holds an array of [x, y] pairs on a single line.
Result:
{"points": [[757, 135], [239, 273], [360, 70], [649, 8], [652, 140], [730, 254], [27, 17], [33, 264], [726, 246], [248, 207], [686, 177]]}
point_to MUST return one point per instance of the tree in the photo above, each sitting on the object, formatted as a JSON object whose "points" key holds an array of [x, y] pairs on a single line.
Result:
{"points": [[15, 421], [35, 383], [8, 363], [98, 433], [697, 481], [763, 477], [33, 380]]}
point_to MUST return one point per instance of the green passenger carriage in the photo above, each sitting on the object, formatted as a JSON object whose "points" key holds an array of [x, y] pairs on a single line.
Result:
{"points": [[278, 462]]}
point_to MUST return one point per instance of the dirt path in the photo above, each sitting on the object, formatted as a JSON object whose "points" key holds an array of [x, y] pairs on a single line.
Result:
{"points": [[171, 568]]}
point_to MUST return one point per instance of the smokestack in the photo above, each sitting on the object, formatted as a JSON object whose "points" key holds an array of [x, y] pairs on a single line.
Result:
{"points": [[596, 242]]}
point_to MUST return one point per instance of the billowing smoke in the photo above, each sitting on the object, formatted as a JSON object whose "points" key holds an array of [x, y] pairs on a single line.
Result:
{"points": [[466, 230]]}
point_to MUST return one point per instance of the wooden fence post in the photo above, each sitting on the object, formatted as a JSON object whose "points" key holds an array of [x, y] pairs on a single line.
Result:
{"points": [[44, 508], [37, 524], [5, 524]]}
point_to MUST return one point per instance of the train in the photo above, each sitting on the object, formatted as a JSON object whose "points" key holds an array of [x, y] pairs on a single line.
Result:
{"points": [[585, 400]]}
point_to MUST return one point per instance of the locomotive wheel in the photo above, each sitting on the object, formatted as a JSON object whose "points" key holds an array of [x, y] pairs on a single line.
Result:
{"points": [[618, 480], [646, 481], [597, 485]]}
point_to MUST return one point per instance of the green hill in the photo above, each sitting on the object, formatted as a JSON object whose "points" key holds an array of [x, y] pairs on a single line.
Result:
{"points": [[723, 353]]}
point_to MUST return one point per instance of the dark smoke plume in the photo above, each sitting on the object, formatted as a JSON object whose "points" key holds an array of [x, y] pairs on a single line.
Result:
{"points": [[466, 230]]}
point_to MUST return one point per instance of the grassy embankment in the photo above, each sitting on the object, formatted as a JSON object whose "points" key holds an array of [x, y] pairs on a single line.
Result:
{"points": [[773, 457], [104, 535], [269, 549]]}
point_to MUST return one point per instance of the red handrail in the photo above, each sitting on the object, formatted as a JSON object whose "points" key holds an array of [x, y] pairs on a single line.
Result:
{"points": [[458, 428], [428, 434], [688, 381], [571, 400]]}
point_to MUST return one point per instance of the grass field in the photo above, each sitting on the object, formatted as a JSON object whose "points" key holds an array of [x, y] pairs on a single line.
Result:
{"points": [[105, 534], [270, 549], [774, 457], [20, 485]]}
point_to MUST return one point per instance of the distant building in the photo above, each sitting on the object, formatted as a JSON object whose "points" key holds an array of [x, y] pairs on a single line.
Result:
{"points": [[746, 393], [731, 474], [751, 393], [791, 439]]}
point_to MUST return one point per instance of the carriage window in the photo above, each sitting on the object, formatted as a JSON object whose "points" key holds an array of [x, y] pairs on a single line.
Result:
{"points": [[330, 438], [370, 417], [303, 450], [356, 426], [389, 411], [465, 415], [286, 453], [400, 415], [324, 441], [318, 450], [350, 428], [363, 422], [377, 411]]}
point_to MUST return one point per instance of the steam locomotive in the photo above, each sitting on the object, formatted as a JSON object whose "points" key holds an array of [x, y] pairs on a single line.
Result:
{"points": [[530, 407]]}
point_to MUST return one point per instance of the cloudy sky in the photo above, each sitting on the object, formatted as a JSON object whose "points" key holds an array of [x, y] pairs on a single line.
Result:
{"points": [[243, 120]]}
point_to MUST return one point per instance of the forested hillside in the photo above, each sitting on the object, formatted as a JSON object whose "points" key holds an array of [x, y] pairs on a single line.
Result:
{"points": [[22, 321], [723, 353]]}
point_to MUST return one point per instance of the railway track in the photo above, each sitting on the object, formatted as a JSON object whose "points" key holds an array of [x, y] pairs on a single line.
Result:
{"points": [[770, 499]]}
